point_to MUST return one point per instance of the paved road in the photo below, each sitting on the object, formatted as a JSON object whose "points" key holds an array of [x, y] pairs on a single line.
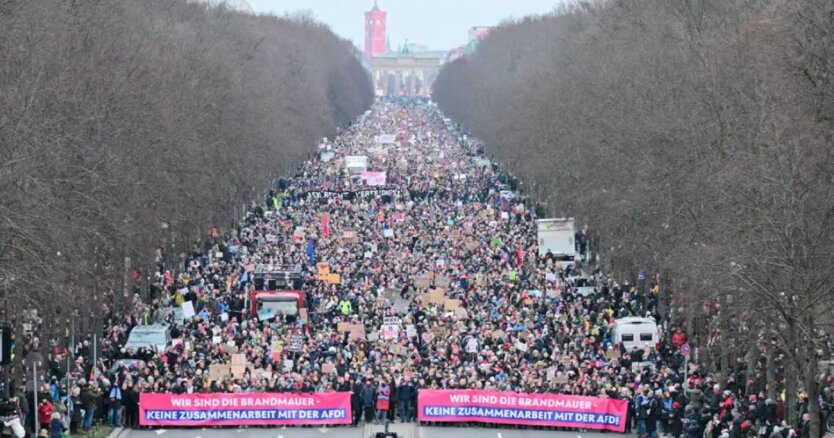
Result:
{"points": [[290, 432], [350, 432], [474, 432]]}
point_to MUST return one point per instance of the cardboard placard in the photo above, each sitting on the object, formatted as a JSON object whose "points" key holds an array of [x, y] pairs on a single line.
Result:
{"points": [[357, 331], [323, 268], [461, 313], [423, 282], [612, 354], [472, 245], [229, 349], [451, 304], [401, 305], [219, 371], [437, 296], [498, 334], [238, 365], [334, 279], [342, 327], [442, 281], [350, 237], [328, 368], [302, 313]]}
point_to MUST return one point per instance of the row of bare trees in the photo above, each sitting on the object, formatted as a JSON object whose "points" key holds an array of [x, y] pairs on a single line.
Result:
{"points": [[128, 125], [695, 137]]}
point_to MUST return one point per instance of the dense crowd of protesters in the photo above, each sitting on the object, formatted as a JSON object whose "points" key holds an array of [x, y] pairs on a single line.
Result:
{"points": [[507, 319]]}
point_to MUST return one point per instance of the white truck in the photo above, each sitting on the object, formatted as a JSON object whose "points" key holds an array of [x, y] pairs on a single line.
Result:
{"points": [[356, 164], [635, 333], [556, 236]]}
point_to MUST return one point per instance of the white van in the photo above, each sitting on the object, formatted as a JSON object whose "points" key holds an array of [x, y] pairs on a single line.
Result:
{"points": [[635, 333]]}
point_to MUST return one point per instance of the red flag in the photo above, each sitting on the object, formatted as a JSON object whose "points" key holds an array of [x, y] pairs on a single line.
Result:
{"points": [[325, 224], [519, 256]]}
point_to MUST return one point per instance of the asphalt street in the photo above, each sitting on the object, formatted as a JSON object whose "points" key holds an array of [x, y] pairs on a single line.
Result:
{"points": [[360, 432]]}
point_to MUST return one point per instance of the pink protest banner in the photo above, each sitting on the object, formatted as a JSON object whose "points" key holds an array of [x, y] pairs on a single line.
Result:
{"points": [[373, 178], [473, 406], [244, 409]]}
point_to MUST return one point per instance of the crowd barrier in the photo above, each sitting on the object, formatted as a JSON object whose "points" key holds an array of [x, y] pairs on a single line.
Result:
{"points": [[263, 409], [494, 407]]}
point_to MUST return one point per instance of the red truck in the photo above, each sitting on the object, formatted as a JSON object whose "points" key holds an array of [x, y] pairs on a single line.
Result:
{"points": [[277, 291], [268, 303]]}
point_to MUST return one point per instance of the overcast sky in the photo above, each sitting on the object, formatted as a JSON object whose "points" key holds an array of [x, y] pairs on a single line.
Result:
{"points": [[440, 24]]}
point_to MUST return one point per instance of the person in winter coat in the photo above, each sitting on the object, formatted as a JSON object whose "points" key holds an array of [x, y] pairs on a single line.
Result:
{"points": [[56, 427], [368, 396], [383, 401], [676, 420], [356, 402], [44, 413], [115, 406], [692, 423], [130, 399], [89, 400], [404, 396], [75, 410]]}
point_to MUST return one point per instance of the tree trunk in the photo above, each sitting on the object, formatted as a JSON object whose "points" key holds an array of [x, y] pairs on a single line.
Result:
{"points": [[770, 370], [792, 369], [724, 339], [811, 382], [751, 358]]}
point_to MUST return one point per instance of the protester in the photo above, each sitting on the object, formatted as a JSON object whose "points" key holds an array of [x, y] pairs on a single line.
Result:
{"points": [[436, 265]]}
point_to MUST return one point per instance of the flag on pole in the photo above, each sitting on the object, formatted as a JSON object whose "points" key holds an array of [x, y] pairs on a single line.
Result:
{"points": [[520, 256], [325, 224]]}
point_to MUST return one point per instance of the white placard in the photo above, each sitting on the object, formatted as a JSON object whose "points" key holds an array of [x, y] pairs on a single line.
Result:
{"points": [[188, 309]]}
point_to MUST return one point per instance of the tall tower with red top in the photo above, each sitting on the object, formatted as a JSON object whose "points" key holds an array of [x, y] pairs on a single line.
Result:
{"points": [[375, 32]]}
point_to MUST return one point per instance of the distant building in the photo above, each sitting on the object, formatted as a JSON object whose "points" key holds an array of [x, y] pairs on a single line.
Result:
{"points": [[375, 32], [408, 71]]}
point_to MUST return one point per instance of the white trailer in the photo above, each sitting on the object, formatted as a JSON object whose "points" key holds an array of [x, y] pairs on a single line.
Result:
{"points": [[356, 164], [556, 236], [635, 333]]}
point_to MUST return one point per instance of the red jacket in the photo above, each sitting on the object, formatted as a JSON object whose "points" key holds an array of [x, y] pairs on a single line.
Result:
{"points": [[678, 339], [44, 413]]}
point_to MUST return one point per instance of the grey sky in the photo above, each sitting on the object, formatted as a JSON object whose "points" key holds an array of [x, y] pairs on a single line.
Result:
{"points": [[440, 24]]}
